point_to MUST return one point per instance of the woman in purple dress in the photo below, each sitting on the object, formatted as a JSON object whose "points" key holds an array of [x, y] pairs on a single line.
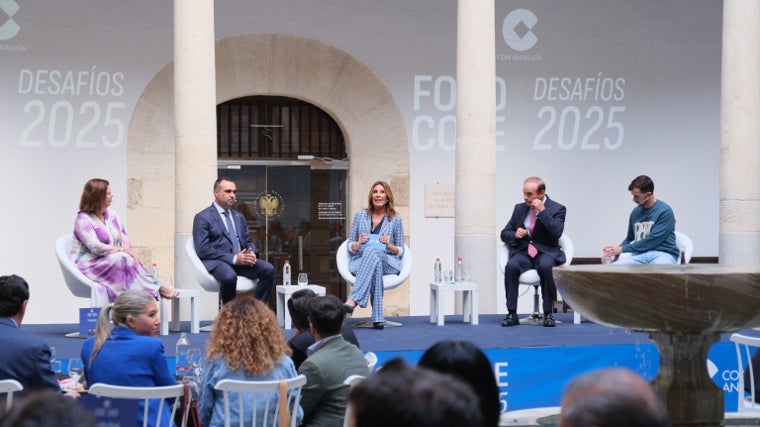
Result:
{"points": [[102, 250]]}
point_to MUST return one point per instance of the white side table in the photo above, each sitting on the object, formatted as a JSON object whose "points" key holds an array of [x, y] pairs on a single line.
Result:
{"points": [[283, 295], [195, 310], [470, 298]]}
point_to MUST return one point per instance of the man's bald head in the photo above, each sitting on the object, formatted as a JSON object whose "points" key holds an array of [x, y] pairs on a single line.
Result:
{"points": [[612, 397]]}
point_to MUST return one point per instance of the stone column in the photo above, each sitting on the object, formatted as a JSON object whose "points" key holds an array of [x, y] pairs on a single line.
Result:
{"points": [[475, 223], [195, 129], [740, 134]]}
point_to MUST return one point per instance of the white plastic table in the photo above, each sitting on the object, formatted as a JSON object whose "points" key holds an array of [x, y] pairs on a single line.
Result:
{"points": [[470, 298]]}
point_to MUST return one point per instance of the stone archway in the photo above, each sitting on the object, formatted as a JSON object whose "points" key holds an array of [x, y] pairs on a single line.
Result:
{"points": [[269, 64]]}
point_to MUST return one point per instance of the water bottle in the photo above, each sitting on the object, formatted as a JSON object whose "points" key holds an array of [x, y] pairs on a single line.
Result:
{"points": [[437, 274], [182, 364], [286, 273], [154, 271], [459, 270]]}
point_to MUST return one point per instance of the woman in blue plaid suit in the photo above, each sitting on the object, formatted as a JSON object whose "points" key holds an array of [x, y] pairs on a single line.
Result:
{"points": [[376, 246]]}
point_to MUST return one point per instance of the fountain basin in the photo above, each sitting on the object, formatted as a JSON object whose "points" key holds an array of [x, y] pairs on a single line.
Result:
{"points": [[684, 308], [694, 298]]}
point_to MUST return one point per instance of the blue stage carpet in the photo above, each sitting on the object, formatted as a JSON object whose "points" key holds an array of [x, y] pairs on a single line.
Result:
{"points": [[417, 333]]}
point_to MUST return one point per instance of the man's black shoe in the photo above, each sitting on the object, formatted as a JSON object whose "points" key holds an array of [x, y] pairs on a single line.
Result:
{"points": [[510, 320], [549, 321]]}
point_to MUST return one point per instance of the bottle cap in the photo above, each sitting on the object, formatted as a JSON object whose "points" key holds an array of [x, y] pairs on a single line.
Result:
{"points": [[459, 257]]}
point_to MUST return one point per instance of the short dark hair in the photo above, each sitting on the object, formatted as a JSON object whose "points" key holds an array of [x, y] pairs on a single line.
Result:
{"points": [[326, 315], [467, 362], [403, 396], [219, 181], [47, 409], [298, 307], [643, 183], [13, 292]]}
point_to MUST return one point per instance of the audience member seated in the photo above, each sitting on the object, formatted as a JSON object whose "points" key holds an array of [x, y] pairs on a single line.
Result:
{"points": [[102, 250], [467, 362], [612, 397], [45, 408], [401, 396], [331, 360], [24, 357], [129, 354], [298, 306], [246, 344], [376, 246], [223, 243]]}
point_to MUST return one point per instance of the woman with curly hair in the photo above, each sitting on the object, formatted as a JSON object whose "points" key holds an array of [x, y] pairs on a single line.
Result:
{"points": [[246, 344]]}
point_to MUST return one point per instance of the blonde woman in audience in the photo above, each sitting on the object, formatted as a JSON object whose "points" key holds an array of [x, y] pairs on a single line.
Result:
{"points": [[128, 353]]}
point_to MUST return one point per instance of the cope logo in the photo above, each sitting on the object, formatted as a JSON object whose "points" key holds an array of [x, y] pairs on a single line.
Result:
{"points": [[517, 29], [10, 28]]}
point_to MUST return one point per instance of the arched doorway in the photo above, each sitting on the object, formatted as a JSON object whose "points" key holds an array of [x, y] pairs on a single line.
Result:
{"points": [[289, 161]]}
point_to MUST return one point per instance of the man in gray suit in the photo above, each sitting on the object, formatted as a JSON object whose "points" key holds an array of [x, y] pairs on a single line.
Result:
{"points": [[331, 360], [25, 357]]}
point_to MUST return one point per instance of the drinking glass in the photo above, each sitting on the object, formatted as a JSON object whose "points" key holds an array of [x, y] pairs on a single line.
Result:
{"points": [[75, 369], [56, 365], [303, 279], [193, 356]]}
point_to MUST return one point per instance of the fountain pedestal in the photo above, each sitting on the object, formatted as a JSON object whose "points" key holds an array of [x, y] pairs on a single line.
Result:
{"points": [[683, 379], [684, 308]]}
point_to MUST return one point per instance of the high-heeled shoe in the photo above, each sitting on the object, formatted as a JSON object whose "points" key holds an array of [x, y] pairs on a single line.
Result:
{"points": [[349, 309], [378, 325]]}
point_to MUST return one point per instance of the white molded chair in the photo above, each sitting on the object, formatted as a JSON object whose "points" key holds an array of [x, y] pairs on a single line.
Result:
{"points": [[258, 390], [530, 278], [371, 360], [390, 281], [141, 393], [8, 387], [743, 344], [79, 284], [686, 246], [205, 279]]}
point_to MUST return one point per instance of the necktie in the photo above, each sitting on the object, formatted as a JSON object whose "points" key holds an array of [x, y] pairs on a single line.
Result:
{"points": [[532, 251], [232, 231]]}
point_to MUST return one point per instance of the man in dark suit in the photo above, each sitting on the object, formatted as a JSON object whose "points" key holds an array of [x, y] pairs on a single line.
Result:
{"points": [[532, 235], [24, 357], [302, 339], [223, 244], [332, 359]]}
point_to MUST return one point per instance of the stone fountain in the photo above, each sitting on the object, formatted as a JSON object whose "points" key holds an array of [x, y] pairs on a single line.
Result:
{"points": [[684, 308]]}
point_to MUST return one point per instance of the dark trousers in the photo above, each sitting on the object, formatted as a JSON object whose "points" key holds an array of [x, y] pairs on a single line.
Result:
{"points": [[227, 275], [519, 263]]}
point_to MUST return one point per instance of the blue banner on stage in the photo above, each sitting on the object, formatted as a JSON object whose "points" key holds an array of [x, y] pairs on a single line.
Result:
{"points": [[88, 318], [536, 377]]}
